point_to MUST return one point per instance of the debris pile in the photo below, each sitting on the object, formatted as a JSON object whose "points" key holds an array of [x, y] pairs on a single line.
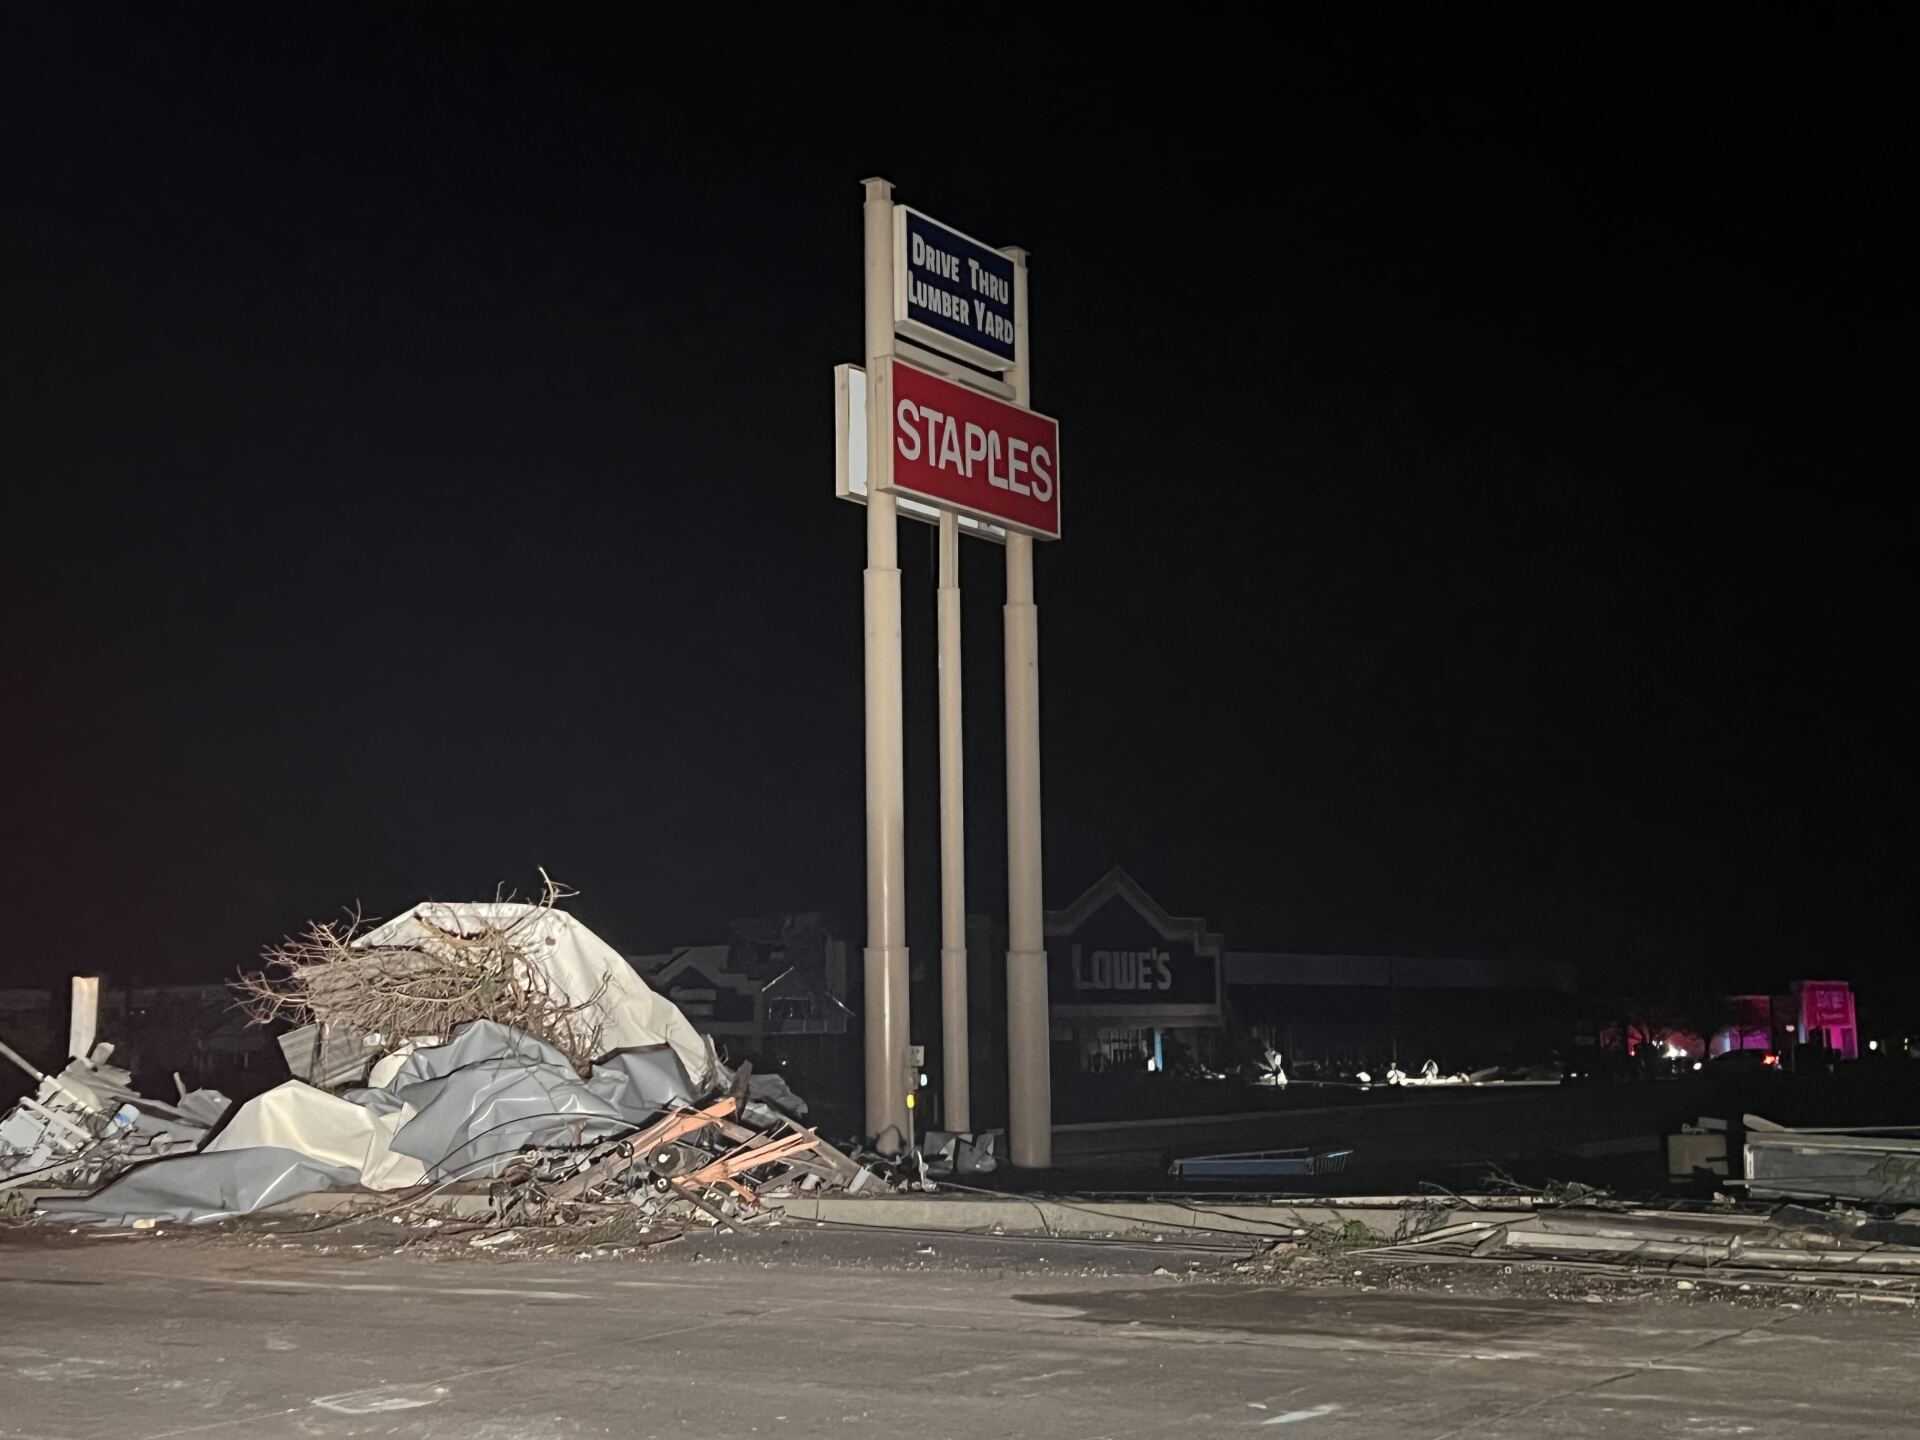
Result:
{"points": [[692, 1159], [496, 1049], [83, 1126], [1832, 1250], [529, 967]]}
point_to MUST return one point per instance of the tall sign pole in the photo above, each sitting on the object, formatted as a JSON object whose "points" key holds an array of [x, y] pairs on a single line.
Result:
{"points": [[1029, 1027], [957, 1091], [886, 953], [936, 428]]}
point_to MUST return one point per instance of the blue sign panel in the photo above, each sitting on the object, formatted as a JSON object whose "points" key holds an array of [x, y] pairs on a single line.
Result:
{"points": [[957, 293]]}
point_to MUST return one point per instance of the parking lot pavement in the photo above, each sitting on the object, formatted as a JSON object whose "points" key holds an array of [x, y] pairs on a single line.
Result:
{"points": [[138, 1338]]}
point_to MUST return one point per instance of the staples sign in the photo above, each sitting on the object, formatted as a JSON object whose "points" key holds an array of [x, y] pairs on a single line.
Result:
{"points": [[960, 450]]}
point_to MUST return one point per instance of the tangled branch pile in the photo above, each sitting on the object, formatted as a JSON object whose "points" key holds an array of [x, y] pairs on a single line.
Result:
{"points": [[386, 994]]}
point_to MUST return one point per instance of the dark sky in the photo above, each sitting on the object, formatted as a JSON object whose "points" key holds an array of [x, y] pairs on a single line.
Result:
{"points": [[1483, 531]]}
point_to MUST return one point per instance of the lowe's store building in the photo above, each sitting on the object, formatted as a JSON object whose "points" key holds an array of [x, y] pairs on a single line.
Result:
{"points": [[1135, 987]]}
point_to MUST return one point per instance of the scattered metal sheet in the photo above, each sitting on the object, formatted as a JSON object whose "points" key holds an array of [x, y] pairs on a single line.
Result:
{"points": [[1875, 1165], [1260, 1164], [212, 1185]]}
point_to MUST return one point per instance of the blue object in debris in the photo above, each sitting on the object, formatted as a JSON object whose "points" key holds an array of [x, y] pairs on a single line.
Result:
{"points": [[1252, 1164]]}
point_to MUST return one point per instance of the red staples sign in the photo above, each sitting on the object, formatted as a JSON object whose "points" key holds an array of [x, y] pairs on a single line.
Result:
{"points": [[960, 450]]}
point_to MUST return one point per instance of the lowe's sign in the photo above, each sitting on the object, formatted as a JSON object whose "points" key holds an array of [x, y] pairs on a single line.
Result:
{"points": [[1115, 954], [1142, 975], [952, 292]]}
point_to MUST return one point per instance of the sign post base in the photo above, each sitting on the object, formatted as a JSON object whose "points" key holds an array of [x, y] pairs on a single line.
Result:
{"points": [[1029, 1049]]}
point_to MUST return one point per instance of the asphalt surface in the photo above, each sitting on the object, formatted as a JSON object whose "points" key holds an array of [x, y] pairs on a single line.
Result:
{"points": [[150, 1336], [1613, 1136], [1606, 1134]]}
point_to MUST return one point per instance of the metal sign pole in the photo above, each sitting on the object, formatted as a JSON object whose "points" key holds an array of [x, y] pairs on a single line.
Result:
{"points": [[956, 1091], [886, 952], [1029, 1027]]}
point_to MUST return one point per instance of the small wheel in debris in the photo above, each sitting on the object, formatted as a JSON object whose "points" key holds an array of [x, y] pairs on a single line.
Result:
{"points": [[667, 1159]]}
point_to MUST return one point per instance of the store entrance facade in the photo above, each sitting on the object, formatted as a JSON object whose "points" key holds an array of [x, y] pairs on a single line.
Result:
{"points": [[1132, 988]]}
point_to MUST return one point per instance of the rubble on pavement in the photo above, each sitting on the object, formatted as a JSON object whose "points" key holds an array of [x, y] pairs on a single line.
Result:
{"points": [[692, 1160], [86, 1124], [1830, 1249], [491, 1045]]}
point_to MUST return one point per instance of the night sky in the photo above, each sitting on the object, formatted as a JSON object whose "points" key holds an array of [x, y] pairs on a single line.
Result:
{"points": [[1483, 535]]}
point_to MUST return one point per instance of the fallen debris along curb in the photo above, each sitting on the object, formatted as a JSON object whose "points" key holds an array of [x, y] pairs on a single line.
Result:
{"points": [[1003, 1214], [1380, 1217], [1789, 1246], [1095, 1216]]}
